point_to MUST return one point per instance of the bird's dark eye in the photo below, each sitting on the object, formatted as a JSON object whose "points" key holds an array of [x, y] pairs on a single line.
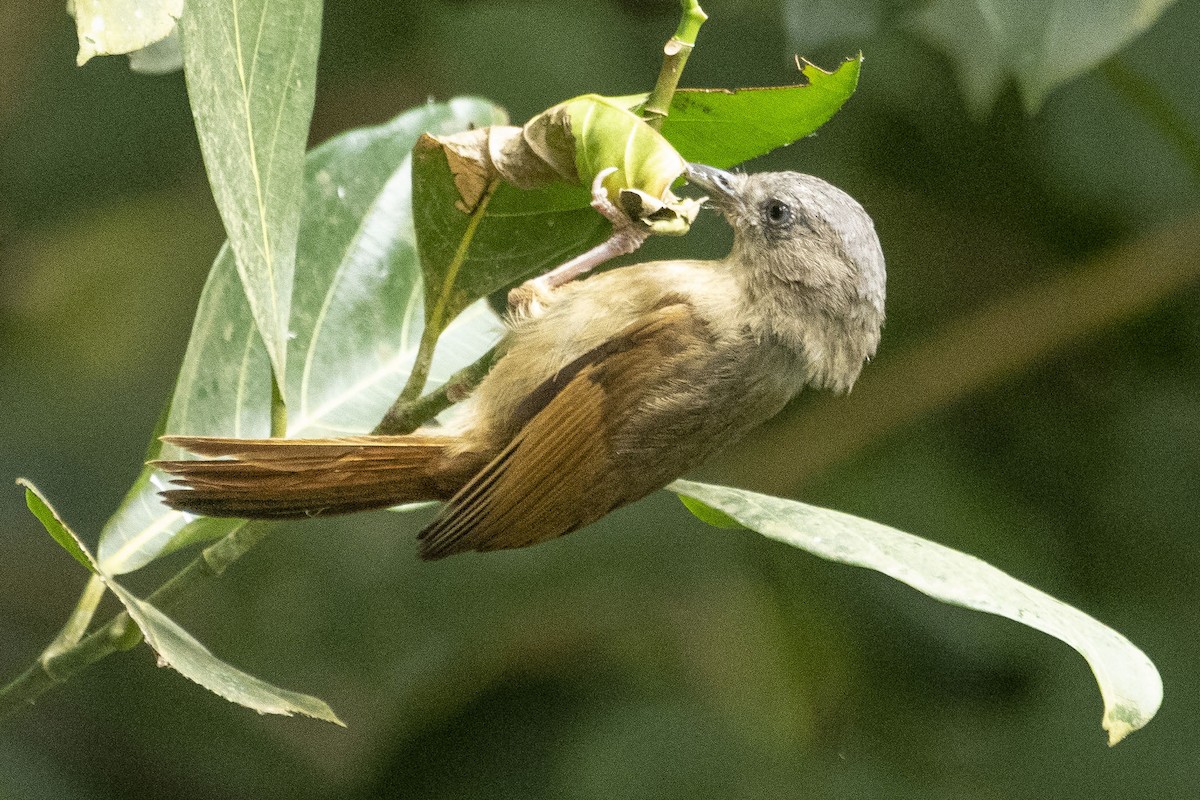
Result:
{"points": [[778, 213]]}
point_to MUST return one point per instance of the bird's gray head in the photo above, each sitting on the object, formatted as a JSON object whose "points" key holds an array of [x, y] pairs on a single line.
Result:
{"points": [[814, 263]]}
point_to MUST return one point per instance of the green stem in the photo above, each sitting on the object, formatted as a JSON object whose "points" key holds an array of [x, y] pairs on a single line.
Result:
{"points": [[278, 410], [1157, 109], [675, 56], [79, 620], [406, 416]]}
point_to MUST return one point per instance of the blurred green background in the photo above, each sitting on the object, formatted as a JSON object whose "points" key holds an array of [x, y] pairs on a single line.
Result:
{"points": [[648, 657]]}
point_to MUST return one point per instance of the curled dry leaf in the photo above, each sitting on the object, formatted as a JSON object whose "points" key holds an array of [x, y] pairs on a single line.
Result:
{"points": [[573, 142]]}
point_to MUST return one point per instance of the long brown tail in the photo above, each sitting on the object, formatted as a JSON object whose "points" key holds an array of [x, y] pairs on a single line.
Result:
{"points": [[295, 478]]}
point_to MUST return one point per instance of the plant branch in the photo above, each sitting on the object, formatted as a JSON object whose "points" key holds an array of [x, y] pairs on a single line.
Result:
{"points": [[970, 355], [405, 416], [120, 633], [1157, 109], [675, 56]]}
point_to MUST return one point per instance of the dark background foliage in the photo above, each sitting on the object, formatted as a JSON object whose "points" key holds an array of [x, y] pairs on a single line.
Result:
{"points": [[648, 656]]}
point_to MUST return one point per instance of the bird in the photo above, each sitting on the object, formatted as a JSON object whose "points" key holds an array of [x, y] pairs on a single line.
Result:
{"points": [[605, 390]]}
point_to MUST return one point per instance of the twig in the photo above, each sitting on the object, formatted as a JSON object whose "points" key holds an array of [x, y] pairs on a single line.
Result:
{"points": [[406, 417], [675, 56]]}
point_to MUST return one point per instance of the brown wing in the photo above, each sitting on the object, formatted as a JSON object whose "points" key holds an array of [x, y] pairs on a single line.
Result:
{"points": [[557, 474]]}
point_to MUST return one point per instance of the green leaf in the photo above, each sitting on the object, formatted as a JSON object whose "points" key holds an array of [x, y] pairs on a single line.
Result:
{"points": [[724, 127], [509, 235], [175, 647], [108, 27], [251, 76], [709, 515], [1041, 43], [1129, 683], [53, 524], [357, 313]]}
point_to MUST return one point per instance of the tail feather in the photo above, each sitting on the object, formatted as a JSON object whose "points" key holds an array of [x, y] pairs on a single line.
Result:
{"points": [[296, 478]]}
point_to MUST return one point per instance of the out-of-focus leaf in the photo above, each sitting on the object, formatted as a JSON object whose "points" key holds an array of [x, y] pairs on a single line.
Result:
{"points": [[357, 313], [251, 76], [175, 647], [813, 24], [1041, 43], [1129, 683], [109, 27]]}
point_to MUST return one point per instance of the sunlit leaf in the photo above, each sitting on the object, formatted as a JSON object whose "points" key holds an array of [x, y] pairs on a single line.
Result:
{"points": [[1041, 43], [108, 27], [251, 77], [175, 647], [1129, 683], [357, 314]]}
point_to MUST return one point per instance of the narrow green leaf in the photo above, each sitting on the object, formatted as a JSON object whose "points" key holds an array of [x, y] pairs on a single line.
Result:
{"points": [[109, 27], [356, 313], [175, 647], [1129, 682], [54, 524], [1040, 44], [251, 75]]}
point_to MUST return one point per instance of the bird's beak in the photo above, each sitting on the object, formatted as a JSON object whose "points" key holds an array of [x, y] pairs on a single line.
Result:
{"points": [[717, 181]]}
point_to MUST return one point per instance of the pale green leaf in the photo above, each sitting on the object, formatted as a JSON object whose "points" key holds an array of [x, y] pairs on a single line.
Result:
{"points": [[251, 75], [357, 313], [1129, 683], [1041, 43], [109, 27]]}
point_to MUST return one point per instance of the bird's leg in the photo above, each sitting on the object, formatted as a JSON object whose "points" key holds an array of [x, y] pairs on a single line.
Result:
{"points": [[628, 235]]}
